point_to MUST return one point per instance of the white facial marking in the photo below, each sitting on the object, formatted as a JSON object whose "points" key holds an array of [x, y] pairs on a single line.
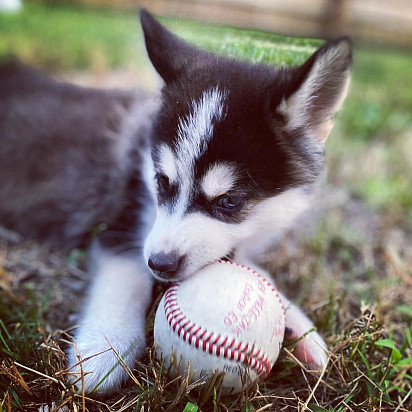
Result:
{"points": [[167, 162], [194, 132], [196, 129], [270, 218], [201, 238], [218, 180], [204, 239]]}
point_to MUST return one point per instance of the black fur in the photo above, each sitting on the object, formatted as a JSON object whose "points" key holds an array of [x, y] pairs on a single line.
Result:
{"points": [[67, 164], [253, 135]]}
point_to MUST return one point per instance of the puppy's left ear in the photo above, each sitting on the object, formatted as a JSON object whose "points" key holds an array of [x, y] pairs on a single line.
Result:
{"points": [[170, 55], [320, 87]]}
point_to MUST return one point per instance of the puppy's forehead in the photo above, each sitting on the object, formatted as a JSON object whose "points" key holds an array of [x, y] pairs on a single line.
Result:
{"points": [[194, 132]]}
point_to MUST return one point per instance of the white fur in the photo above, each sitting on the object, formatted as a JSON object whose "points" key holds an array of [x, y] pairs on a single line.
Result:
{"points": [[120, 294], [196, 129], [270, 218], [194, 133], [168, 163], [201, 238], [312, 349], [204, 239], [148, 174], [114, 316], [218, 180]]}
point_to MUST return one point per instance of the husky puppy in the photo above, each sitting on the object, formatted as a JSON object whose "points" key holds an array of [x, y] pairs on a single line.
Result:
{"points": [[218, 166]]}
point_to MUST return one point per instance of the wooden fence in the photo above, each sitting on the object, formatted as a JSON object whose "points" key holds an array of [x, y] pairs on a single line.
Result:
{"points": [[379, 21]]}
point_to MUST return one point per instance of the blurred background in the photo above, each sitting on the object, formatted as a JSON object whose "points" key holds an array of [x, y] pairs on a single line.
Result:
{"points": [[368, 20]]}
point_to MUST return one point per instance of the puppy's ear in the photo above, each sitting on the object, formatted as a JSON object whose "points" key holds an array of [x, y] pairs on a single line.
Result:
{"points": [[320, 87], [170, 55]]}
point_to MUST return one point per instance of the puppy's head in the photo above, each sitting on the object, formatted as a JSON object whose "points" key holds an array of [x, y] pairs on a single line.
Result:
{"points": [[235, 146]]}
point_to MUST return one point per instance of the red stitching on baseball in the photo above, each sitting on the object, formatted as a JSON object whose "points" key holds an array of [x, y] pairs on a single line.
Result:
{"points": [[254, 357]]}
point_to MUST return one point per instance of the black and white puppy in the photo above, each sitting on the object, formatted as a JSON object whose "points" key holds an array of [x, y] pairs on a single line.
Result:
{"points": [[218, 166]]}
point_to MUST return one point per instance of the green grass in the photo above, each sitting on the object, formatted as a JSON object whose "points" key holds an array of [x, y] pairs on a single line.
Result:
{"points": [[370, 344], [353, 275], [66, 37], [373, 133], [257, 47], [27, 351]]}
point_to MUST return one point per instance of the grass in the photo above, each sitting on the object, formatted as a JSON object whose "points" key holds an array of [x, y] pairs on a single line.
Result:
{"points": [[352, 274], [88, 38], [373, 132], [28, 353], [369, 340], [74, 39]]}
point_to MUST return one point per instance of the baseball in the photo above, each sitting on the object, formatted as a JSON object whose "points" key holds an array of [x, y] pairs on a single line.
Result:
{"points": [[226, 318]]}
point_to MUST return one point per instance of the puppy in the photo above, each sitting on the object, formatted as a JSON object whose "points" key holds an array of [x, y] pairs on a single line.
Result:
{"points": [[217, 166]]}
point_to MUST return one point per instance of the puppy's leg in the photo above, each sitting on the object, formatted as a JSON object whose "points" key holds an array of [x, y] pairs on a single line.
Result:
{"points": [[310, 348], [114, 318]]}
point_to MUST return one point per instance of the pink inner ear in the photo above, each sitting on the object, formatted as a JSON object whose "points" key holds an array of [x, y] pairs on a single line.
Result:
{"points": [[322, 131]]}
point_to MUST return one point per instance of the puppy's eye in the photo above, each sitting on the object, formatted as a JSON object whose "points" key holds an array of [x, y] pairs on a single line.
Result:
{"points": [[163, 182], [230, 203]]}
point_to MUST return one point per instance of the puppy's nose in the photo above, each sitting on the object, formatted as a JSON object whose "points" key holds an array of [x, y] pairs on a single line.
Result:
{"points": [[165, 263]]}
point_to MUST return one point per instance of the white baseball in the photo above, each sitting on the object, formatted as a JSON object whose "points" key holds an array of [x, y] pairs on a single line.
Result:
{"points": [[227, 317]]}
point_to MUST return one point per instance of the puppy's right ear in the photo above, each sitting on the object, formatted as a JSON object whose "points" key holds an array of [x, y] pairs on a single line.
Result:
{"points": [[320, 87], [170, 55]]}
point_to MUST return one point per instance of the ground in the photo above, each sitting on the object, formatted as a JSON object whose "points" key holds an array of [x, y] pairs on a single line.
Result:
{"points": [[354, 283]]}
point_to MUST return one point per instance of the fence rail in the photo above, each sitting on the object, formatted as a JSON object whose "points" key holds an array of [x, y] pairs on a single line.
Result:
{"points": [[379, 21]]}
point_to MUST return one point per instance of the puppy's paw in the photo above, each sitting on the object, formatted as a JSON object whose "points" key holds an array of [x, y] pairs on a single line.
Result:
{"points": [[310, 349], [99, 361]]}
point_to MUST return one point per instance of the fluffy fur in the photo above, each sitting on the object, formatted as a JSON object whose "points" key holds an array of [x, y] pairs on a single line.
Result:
{"points": [[220, 166]]}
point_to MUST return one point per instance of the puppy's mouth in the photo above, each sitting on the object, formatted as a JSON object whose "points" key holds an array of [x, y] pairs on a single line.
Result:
{"points": [[229, 256], [185, 272], [175, 277]]}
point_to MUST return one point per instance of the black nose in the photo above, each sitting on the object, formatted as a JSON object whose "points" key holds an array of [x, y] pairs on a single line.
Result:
{"points": [[165, 263]]}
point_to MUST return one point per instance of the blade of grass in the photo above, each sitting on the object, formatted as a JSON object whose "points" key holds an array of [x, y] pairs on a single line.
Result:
{"points": [[37, 372], [190, 407]]}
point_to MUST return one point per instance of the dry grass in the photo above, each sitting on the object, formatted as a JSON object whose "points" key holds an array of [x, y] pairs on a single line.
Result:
{"points": [[355, 285]]}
